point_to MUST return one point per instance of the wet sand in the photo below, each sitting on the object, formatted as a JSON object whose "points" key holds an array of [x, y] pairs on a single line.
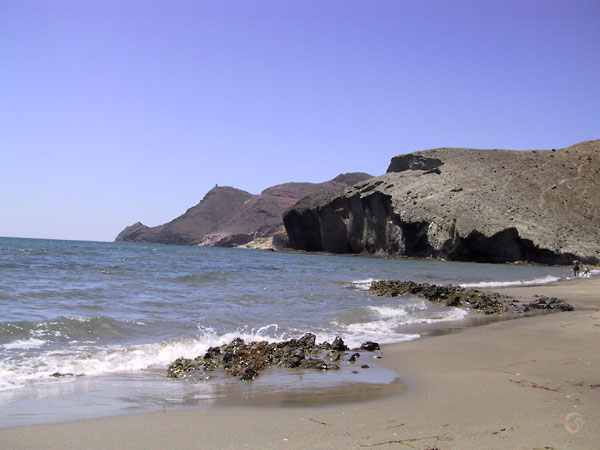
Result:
{"points": [[526, 383]]}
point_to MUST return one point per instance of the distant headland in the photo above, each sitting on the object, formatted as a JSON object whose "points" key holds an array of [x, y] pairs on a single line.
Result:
{"points": [[539, 206], [230, 217]]}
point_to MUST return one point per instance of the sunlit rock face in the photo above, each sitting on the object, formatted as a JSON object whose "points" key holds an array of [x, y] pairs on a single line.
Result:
{"points": [[463, 204]]}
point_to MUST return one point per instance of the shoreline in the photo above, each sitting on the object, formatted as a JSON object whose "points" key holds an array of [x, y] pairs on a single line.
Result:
{"points": [[524, 383]]}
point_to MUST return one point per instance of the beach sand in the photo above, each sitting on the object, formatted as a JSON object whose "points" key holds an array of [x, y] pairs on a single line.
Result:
{"points": [[529, 383]]}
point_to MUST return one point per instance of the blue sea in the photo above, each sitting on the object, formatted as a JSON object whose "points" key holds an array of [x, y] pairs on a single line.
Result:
{"points": [[87, 329]]}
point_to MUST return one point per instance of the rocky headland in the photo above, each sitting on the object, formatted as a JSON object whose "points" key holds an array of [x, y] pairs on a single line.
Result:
{"points": [[539, 206], [230, 217]]}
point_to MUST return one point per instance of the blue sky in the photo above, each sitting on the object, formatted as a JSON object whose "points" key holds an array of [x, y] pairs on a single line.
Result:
{"points": [[119, 111]]}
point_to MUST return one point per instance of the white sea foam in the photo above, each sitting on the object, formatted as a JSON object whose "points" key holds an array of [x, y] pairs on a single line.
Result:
{"points": [[390, 319], [407, 319], [491, 284], [355, 334], [363, 285], [24, 344], [36, 367], [387, 311], [381, 331], [389, 330], [89, 361]]}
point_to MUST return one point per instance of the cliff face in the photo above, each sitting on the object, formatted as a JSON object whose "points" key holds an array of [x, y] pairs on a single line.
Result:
{"points": [[464, 204], [229, 217]]}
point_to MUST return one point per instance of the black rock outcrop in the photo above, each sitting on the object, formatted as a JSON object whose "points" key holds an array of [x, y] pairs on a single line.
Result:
{"points": [[248, 361], [462, 204], [230, 217], [472, 299]]}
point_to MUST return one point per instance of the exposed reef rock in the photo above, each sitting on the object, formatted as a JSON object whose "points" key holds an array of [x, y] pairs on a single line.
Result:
{"points": [[462, 204], [229, 217], [247, 361], [473, 299]]}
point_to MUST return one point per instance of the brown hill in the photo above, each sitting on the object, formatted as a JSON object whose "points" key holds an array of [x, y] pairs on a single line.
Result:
{"points": [[228, 217], [464, 204]]}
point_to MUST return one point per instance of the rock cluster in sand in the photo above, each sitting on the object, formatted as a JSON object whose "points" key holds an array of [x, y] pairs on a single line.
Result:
{"points": [[472, 299], [247, 361]]}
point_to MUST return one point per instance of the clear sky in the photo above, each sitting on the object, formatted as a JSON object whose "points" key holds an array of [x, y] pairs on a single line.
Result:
{"points": [[117, 111]]}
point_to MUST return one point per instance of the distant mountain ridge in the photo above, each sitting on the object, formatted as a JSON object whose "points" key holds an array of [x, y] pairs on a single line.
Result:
{"points": [[230, 217]]}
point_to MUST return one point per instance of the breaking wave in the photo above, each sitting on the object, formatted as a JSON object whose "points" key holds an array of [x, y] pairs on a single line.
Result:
{"points": [[83, 358], [33, 360], [362, 285], [491, 284], [386, 323]]}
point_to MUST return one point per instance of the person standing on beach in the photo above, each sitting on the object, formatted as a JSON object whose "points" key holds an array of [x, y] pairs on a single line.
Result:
{"points": [[576, 267]]}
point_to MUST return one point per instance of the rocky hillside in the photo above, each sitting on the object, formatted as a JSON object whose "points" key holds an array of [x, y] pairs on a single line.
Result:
{"points": [[229, 217], [464, 204]]}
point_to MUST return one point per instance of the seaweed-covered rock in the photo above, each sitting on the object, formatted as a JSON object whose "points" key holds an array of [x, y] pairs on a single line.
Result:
{"points": [[484, 302], [456, 296], [550, 303], [318, 364], [181, 368], [247, 361], [249, 374]]}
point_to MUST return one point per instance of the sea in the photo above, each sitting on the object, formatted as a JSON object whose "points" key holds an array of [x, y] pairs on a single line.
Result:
{"points": [[88, 329]]}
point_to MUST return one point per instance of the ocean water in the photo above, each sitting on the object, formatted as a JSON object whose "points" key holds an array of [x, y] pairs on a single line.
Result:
{"points": [[114, 315]]}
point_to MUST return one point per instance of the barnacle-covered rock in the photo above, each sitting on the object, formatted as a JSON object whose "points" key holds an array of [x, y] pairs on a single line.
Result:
{"points": [[247, 361], [456, 296]]}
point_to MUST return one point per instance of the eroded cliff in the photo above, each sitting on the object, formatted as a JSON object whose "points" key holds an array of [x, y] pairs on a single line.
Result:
{"points": [[464, 204]]}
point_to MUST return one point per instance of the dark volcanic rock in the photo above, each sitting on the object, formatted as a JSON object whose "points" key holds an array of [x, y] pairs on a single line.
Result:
{"points": [[456, 296], [229, 217], [370, 346], [549, 303], [247, 361], [464, 204], [338, 345]]}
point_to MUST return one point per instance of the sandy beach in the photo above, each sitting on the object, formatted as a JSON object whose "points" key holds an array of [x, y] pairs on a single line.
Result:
{"points": [[527, 383]]}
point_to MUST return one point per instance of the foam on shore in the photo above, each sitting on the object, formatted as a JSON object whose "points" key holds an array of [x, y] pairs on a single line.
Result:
{"points": [[493, 284]]}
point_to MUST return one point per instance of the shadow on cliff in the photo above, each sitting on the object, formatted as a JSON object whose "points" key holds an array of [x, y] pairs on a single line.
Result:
{"points": [[368, 225]]}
